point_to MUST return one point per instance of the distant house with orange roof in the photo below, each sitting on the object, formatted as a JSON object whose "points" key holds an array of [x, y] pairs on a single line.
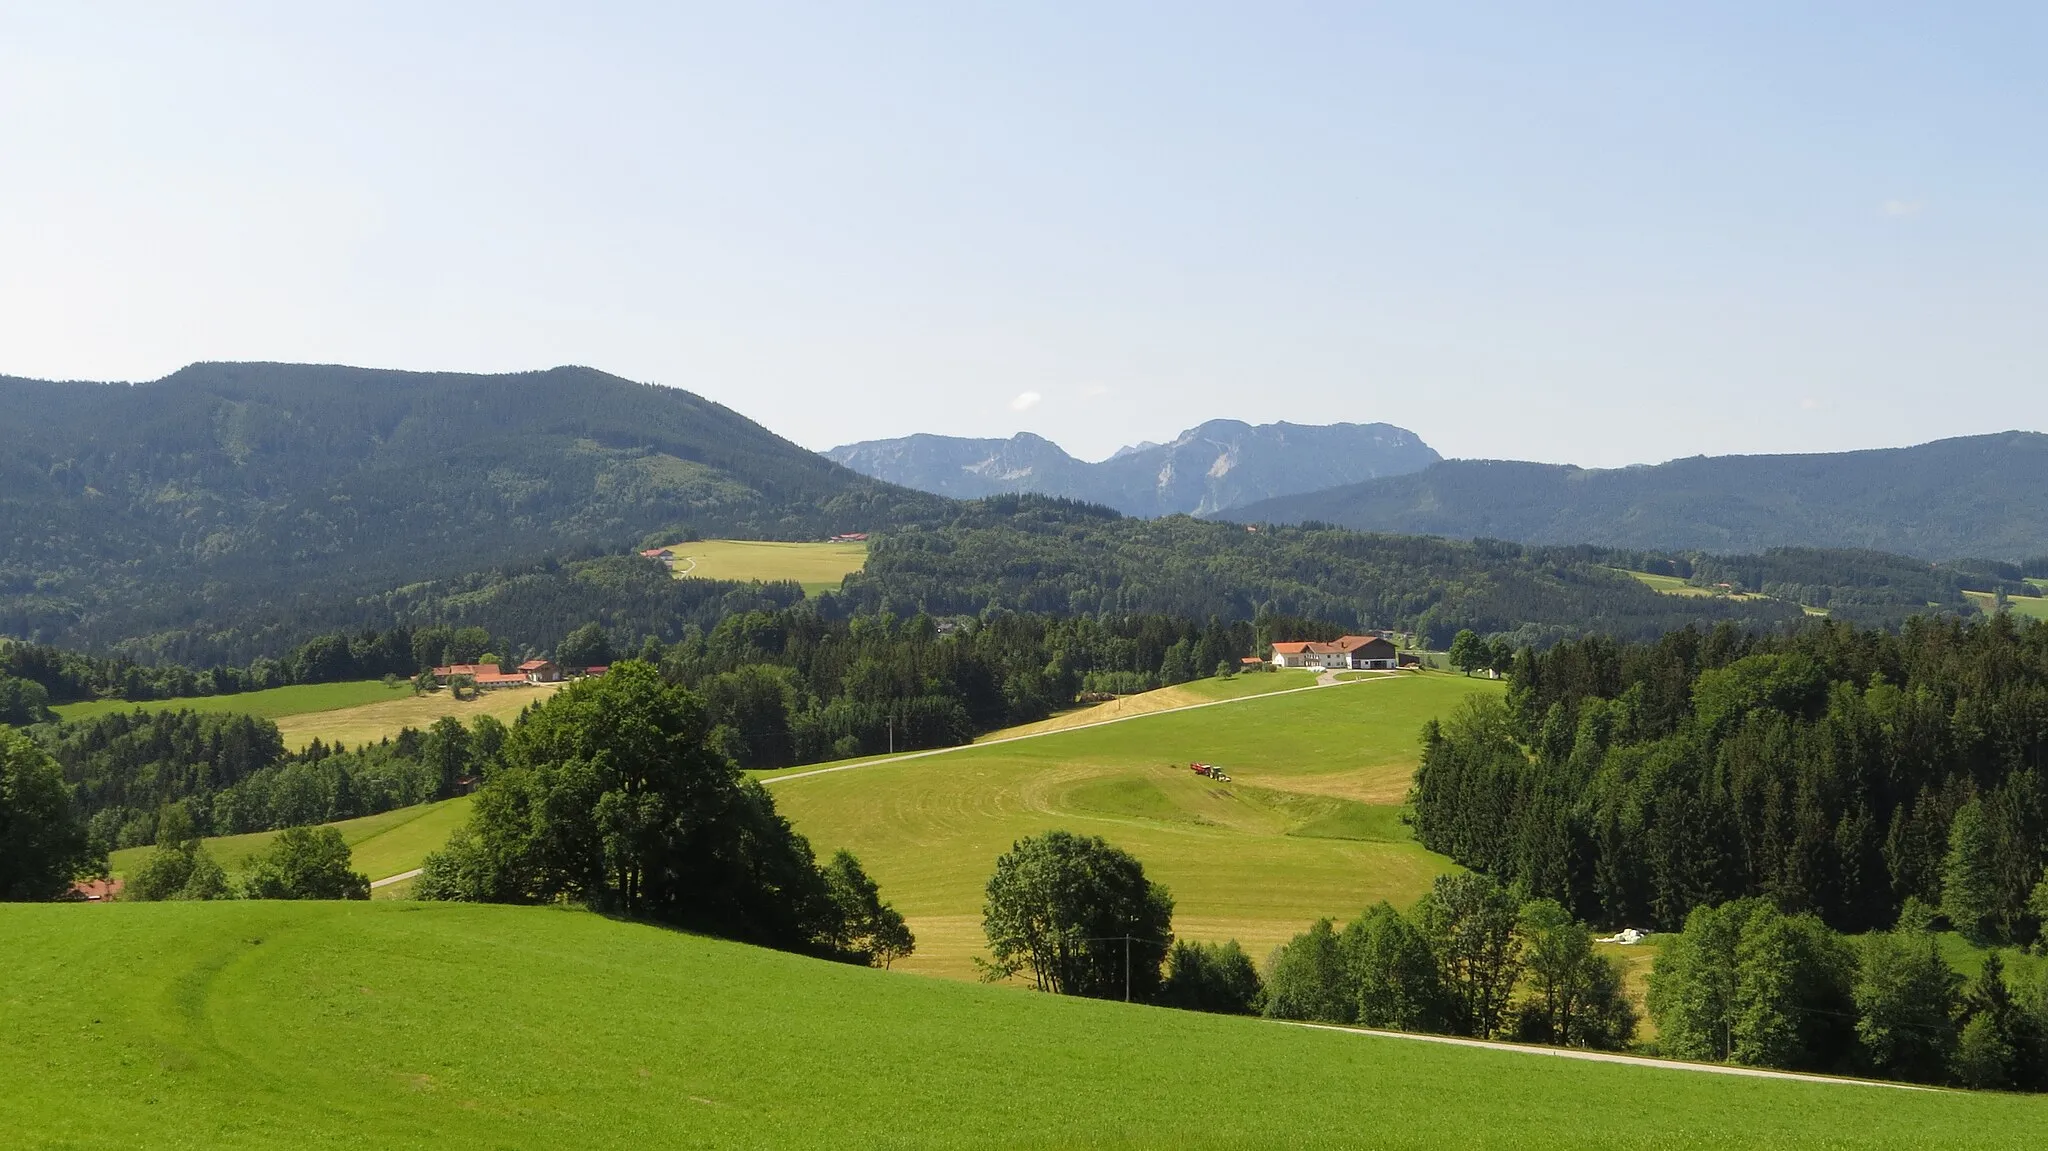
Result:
{"points": [[95, 890]]}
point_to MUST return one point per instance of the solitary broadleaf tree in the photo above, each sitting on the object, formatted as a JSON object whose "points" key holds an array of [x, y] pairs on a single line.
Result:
{"points": [[1079, 916], [1468, 652]]}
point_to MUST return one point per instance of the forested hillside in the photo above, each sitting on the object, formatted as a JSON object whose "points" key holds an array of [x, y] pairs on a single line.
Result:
{"points": [[1036, 555], [1983, 496], [1837, 771], [225, 492], [1028, 553]]}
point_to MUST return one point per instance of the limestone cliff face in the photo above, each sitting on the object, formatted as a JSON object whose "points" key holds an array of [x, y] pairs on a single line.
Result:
{"points": [[1205, 470]]}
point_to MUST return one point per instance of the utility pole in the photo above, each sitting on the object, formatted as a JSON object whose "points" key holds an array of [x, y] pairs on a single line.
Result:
{"points": [[1127, 969], [892, 735]]}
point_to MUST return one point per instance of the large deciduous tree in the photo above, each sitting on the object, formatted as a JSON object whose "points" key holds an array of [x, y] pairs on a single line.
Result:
{"points": [[1310, 980], [180, 867], [1576, 998], [1468, 652], [43, 843], [1079, 916], [1394, 970], [1470, 922], [587, 646], [868, 929], [1748, 983], [611, 796], [1217, 977], [306, 863], [1906, 998]]}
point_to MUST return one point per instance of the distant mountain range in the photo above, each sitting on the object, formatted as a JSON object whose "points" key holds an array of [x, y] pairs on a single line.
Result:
{"points": [[1979, 496], [1218, 466]]}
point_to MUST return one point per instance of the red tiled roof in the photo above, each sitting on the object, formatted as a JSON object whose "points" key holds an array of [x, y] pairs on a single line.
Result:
{"points": [[598, 670], [534, 665], [1354, 642], [467, 669], [495, 678], [1291, 647]]}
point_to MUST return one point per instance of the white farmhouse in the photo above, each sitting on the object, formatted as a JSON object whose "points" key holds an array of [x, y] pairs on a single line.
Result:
{"points": [[1349, 653]]}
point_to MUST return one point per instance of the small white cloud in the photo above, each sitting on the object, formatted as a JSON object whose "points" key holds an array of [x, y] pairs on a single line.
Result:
{"points": [[1025, 401], [1900, 207], [1094, 391], [1809, 404]]}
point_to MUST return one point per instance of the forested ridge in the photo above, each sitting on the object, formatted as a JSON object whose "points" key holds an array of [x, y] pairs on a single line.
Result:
{"points": [[1835, 771], [1971, 496], [230, 496], [1030, 553]]}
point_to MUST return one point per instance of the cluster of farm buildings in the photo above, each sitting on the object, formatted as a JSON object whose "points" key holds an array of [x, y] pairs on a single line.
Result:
{"points": [[488, 677], [1345, 653]]}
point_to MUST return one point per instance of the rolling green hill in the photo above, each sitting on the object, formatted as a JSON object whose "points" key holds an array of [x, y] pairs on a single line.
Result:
{"points": [[333, 1025], [380, 846], [1309, 824], [223, 490], [1979, 496], [271, 703]]}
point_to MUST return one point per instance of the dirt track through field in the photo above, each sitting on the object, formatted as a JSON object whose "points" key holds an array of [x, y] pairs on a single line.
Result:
{"points": [[1317, 686], [1610, 1057]]}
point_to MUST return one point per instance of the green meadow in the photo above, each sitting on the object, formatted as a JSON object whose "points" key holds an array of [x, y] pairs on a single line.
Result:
{"points": [[271, 703], [817, 566], [394, 1025], [1308, 825], [2029, 607], [342, 714], [386, 844]]}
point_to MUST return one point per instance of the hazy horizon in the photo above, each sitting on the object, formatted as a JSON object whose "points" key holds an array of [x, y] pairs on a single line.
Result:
{"points": [[1601, 237]]}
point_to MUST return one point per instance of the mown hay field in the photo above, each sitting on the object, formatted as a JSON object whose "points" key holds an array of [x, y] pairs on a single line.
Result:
{"points": [[344, 714], [271, 703], [817, 566], [1309, 824]]}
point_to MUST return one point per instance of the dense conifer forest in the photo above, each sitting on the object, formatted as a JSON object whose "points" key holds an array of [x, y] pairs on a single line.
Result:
{"points": [[1836, 771]]}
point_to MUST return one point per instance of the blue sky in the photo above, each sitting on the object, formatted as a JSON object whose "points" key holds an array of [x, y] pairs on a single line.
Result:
{"points": [[1615, 234]]}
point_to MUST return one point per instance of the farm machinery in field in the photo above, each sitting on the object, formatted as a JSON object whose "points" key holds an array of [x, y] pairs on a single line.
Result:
{"points": [[1211, 771]]}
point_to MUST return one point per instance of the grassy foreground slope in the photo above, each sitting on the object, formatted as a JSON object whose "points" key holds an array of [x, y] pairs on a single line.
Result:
{"points": [[311, 1025], [1308, 826]]}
